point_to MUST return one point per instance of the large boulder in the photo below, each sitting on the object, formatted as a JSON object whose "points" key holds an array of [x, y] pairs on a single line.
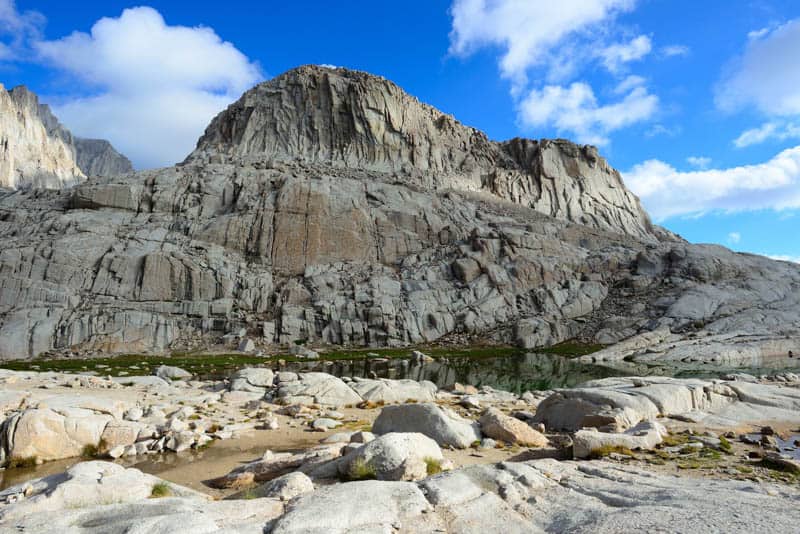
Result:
{"points": [[393, 456], [392, 391], [252, 379], [644, 436], [317, 388], [45, 434], [285, 487], [616, 404], [442, 425], [169, 372], [497, 425]]}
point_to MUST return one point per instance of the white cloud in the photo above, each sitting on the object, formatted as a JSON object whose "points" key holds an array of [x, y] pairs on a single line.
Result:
{"points": [[675, 50], [156, 86], [16, 29], [575, 109], [734, 238], [615, 56], [777, 130], [526, 31], [783, 257], [667, 192], [699, 162], [766, 76]]}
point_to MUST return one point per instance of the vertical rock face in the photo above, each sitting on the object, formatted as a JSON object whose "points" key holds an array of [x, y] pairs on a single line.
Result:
{"points": [[96, 157], [356, 120], [37, 151], [331, 207], [30, 154]]}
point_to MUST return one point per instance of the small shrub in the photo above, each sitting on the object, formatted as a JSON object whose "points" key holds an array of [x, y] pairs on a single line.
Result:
{"points": [[194, 417], [725, 445], [433, 465], [673, 440], [608, 450], [28, 461], [475, 444], [95, 451], [361, 470], [160, 489], [248, 494]]}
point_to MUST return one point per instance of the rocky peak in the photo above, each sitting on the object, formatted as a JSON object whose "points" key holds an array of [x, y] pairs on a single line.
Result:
{"points": [[31, 154], [36, 150], [356, 120]]}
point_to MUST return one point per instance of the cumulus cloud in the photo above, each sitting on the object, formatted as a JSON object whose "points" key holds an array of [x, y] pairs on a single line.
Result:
{"points": [[667, 192], [616, 55], [154, 87], [17, 29], [777, 130], [575, 109], [766, 75], [526, 31], [556, 40], [699, 162]]}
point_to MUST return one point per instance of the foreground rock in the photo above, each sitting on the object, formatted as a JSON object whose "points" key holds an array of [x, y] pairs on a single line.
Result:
{"points": [[617, 404], [587, 443], [442, 425], [495, 424], [84, 485], [535, 496], [393, 456], [316, 388]]}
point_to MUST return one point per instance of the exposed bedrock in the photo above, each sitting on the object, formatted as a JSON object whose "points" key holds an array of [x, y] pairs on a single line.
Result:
{"points": [[328, 206]]}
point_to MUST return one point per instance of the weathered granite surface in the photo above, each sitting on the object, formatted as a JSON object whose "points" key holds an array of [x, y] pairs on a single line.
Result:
{"points": [[328, 206]]}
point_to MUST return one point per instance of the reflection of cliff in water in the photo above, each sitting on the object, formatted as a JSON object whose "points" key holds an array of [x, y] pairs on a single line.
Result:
{"points": [[517, 373]]}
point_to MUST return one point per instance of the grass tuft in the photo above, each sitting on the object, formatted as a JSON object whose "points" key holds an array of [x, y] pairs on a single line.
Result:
{"points": [[608, 450], [160, 489], [361, 470], [433, 465]]}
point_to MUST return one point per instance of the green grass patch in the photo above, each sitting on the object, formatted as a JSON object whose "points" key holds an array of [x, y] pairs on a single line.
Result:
{"points": [[674, 440], [433, 465], [607, 450], [725, 445], [360, 470], [161, 489], [571, 349]]}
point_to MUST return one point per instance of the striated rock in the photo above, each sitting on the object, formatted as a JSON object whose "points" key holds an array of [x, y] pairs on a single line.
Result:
{"points": [[442, 425], [366, 506], [96, 157], [616, 404], [495, 424], [31, 153], [327, 207]]}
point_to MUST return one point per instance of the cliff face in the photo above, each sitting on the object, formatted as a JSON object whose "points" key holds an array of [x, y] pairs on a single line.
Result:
{"points": [[329, 206], [37, 151], [30, 154], [359, 121], [97, 157]]}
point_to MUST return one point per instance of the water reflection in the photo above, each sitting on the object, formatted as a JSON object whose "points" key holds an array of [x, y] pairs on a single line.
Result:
{"points": [[524, 371], [517, 373]]}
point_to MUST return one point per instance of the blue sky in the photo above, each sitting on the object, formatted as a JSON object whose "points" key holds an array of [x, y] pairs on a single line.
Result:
{"points": [[697, 103]]}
